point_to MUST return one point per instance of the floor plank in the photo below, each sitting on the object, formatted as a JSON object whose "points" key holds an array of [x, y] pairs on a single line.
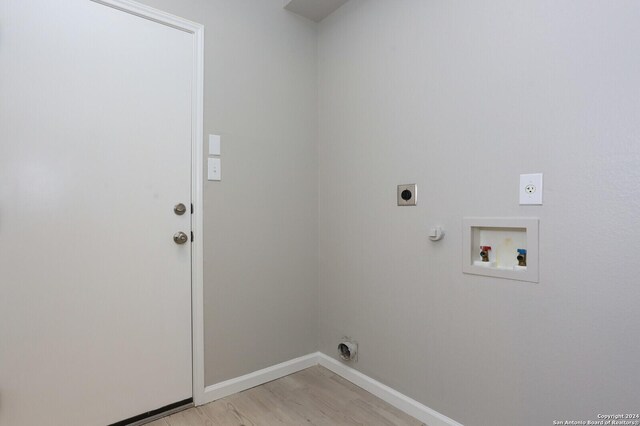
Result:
{"points": [[315, 396], [160, 422]]}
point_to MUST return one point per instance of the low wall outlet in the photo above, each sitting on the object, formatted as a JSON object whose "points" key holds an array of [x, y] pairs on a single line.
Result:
{"points": [[531, 189]]}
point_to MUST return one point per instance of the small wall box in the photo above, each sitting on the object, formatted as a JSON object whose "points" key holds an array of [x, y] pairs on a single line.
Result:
{"points": [[505, 236]]}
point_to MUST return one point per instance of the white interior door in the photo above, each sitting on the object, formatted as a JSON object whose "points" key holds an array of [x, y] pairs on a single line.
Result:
{"points": [[95, 151]]}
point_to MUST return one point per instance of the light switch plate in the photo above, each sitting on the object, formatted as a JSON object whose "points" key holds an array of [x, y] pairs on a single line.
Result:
{"points": [[531, 189], [214, 144], [213, 169]]}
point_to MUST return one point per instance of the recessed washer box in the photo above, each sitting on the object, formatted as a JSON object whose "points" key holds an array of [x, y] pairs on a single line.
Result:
{"points": [[505, 236]]}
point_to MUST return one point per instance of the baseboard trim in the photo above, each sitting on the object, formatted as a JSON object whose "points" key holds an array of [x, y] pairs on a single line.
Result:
{"points": [[257, 378], [391, 396], [382, 391]]}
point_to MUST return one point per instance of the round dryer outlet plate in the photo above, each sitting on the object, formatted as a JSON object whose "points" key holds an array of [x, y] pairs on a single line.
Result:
{"points": [[407, 194]]}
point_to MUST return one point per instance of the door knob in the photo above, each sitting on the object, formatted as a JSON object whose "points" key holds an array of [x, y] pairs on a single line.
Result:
{"points": [[180, 238], [179, 209]]}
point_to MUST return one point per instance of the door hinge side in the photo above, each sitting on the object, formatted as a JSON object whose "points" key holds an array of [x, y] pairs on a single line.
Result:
{"points": [[191, 236], [191, 208]]}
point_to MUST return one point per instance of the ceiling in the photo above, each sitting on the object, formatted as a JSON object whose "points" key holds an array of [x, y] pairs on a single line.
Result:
{"points": [[316, 10]]}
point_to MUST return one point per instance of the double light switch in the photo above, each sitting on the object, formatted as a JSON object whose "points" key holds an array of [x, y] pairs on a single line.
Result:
{"points": [[213, 163]]}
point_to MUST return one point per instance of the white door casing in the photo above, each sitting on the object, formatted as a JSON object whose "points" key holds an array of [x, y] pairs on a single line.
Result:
{"points": [[100, 130]]}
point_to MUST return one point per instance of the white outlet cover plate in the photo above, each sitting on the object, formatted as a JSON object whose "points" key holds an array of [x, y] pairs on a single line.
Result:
{"points": [[531, 189], [213, 169]]}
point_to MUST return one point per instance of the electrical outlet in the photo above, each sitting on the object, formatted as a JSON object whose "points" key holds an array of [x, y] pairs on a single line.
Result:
{"points": [[531, 189], [407, 194], [213, 169]]}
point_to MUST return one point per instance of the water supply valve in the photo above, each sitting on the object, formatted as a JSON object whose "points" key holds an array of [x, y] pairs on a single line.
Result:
{"points": [[484, 253], [522, 257]]}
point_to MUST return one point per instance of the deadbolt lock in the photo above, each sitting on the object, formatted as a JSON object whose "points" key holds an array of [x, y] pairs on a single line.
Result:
{"points": [[179, 209]]}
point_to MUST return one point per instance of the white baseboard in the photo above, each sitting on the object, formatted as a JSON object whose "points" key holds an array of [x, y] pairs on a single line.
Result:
{"points": [[248, 381], [387, 394], [384, 392]]}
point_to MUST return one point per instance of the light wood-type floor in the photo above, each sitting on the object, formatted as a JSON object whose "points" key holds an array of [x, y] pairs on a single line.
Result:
{"points": [[314, 396]]}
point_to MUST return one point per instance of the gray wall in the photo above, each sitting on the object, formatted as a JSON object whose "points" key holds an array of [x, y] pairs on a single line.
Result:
{"points": [[261, 219], [461, 97]]}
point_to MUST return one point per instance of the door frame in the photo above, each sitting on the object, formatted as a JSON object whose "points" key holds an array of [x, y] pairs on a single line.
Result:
{"points": [[197, 176]]}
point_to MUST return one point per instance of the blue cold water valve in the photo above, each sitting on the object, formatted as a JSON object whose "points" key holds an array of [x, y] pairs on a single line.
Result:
{"points": [[522, 257]]}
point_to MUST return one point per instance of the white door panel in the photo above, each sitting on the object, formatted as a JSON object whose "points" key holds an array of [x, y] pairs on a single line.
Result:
{"points": [[95, 137]]}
